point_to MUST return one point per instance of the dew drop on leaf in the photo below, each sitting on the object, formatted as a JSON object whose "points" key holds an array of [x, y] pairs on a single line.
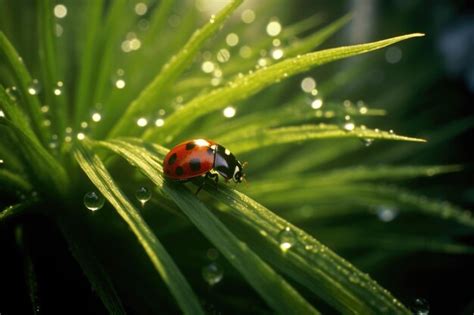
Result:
{"points": [[34, 87], [212, 273], [143, 195], [93, 201], [286, 238]]}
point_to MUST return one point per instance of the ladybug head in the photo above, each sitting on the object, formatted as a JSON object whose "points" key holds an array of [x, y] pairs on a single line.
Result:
{"points": [[239, 172]]}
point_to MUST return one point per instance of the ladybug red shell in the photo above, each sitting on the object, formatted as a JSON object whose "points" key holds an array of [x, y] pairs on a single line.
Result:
{"points": [[200, 157]]}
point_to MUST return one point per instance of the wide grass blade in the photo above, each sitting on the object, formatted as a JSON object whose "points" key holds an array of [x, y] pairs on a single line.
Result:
{"points": [[161, 260], [24, 80], [170, 72], [92, 268], [13, 182], [250, 84], [272, 287]]}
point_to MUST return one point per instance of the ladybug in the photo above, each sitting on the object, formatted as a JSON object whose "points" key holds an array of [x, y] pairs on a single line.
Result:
{"points": [[198, 158]]}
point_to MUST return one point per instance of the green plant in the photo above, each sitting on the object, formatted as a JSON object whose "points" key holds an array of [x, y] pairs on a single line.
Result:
{"points": [[73, 121]]}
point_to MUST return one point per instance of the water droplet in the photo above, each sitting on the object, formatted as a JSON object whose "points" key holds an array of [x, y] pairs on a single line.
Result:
{"points": [[277, 53], [248, 16], [223, 55], [142, 122], [12, 93], [287, 239], [207, 66], [232, 39], [229, 112], [317, 103], [141, 8], [2, 114], [120, 83], [60, 11], [308, 84], [84, 125], [34, 87], [212, 19], [96, 117], [143, 195], [58, 90], [212, 273], [393, 54], [354, 278], [81, 136], [93, 201], [160, 122], [245, 51], [386, 213], [1, 163], [420, 307], [276, 42], [273, 28]]}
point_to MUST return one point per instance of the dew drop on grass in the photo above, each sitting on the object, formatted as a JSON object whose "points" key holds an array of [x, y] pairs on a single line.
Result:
{"points": [[308, 84], [229, 112], [348, 125], [58, 90], [96, 117], [232, 39], [34, 87], [420, 307], [212, 273], [12, 93], [273, 28], [286, 238], [367, 141], [386, 213], [93, 201], [248, 16], [143, 195]]}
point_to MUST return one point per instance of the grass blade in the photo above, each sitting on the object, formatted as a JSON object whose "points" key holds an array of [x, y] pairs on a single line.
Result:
{"points": [[263, 138], [23, 78], [250, 84], [16, 210], [161, 260], [272, 287], [170, 72], [47, 172], [92, 268], [13, 182], [91, 51], [48, 64]]}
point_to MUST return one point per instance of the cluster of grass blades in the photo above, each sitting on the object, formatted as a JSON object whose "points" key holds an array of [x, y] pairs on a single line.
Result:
{"points": [[91, 102]]}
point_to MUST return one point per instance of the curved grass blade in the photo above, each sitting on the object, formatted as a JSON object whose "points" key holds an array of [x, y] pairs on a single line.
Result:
{"points": [[161, 260], [272, 287], [170, 72], [46, 171], [312, 41], [23, 78], [13, 181], [91, 51], [28, 268], [250, 84], [311, 263], [17, 210], [263, 138], [48, 64], [14, 113], [92, 268]]}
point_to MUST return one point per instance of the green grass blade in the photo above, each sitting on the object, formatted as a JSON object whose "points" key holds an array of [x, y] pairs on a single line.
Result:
{"points": [[13, 181], [313, 264], [92, 268], [170, 72], [88, 61], [158, 20], [14, 113], [47, 173], [23, 78], [272, 287], [161, 260], [262, 138], [48, 64], [250, 84], [312, 41], [16, 210]]}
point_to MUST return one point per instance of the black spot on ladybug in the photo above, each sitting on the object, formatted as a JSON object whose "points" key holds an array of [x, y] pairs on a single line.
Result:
{"points": [[195, 164], [190, 145], [179, 171], [172, 159]]}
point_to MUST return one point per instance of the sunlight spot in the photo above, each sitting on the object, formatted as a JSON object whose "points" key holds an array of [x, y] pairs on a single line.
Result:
{"points": [[96, 117], [120, 84], [141, 8], [317, 103], [277, 53], [142, 122], [273, 28], [248, 16], [229, 112], [201, 143], [207, 66], [159, 122], [81, 136], [308, 84], [232, 39]]}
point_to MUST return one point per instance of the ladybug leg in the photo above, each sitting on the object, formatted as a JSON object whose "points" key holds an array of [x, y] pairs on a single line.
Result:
{"points": [[215, 177]]}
